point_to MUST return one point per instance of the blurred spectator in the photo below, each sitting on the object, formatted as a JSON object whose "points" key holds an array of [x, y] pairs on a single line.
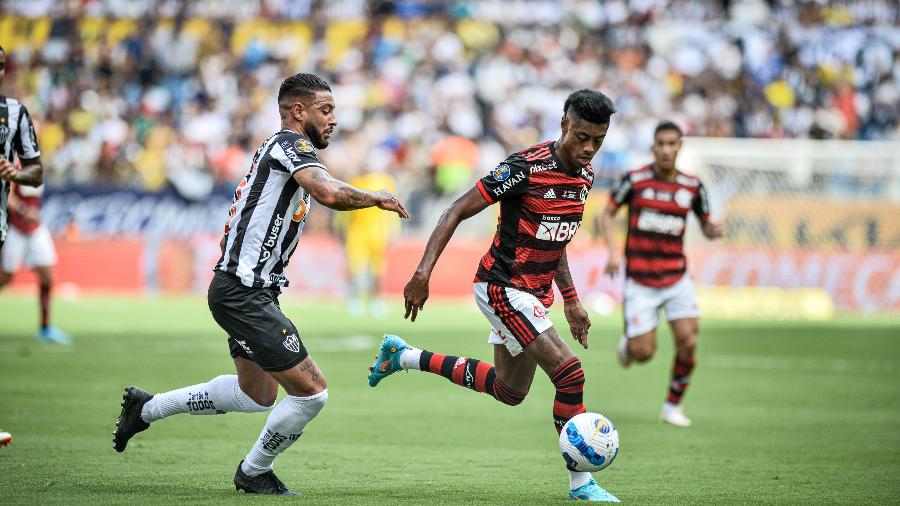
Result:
{"points": [[157, 93]]}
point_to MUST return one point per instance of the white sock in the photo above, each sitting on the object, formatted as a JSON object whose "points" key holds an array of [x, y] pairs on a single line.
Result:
{"points": [[221, 394], [284, 426], [409, 358], [578, 478]]}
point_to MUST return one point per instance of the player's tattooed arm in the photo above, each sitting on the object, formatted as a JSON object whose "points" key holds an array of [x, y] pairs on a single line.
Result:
{"points": [[338, 195], [31, 173], [416, 291], [579, 321]]}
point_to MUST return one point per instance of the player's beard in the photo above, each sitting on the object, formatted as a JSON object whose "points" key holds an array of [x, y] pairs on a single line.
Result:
{"points": [[316, 138]]}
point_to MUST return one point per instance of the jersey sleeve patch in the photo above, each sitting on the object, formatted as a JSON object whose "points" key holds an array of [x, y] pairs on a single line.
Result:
{"points": [[25, 142], [622, 191], [507, 180], [295, 153], [701, 203]]}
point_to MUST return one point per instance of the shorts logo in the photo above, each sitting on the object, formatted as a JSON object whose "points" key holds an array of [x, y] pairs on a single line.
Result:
{"points": [[292, 343], [303, 146], [243, 345], [539, 312], [501, 172]]}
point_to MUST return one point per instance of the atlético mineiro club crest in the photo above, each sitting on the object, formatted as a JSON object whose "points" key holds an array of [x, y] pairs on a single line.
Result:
{"points": [[292, 343]]}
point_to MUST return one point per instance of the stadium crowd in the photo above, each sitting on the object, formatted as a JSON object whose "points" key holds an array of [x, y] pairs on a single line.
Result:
{"points": [[170, 92]]}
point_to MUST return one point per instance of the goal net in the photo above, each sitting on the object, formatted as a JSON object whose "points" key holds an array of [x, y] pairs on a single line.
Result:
{"points": [[808, 223]]}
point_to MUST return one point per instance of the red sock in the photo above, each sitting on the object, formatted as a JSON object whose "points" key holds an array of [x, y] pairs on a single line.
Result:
{"points": [[470, 373], [681, 376], [45, 305], [569, 401]]}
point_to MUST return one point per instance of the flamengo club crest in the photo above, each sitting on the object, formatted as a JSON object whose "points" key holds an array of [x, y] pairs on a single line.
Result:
{"points": [[292, 343]]}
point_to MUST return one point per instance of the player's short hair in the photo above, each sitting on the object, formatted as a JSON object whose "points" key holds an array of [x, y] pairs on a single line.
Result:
{"points": [[590, 105], [664, 126], [303, 86]]}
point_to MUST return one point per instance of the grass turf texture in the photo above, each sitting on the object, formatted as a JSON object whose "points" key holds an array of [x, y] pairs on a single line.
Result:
{"points": [[796, 413]]}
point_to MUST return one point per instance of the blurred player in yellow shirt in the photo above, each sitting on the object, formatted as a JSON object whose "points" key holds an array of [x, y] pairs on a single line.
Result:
{"points": [[366, 238]]}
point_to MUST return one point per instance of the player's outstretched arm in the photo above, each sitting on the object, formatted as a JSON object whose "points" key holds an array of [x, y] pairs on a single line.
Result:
{"points": [[31, 173], [338, 195], [416, 291], [614, 260], [579, 321]]}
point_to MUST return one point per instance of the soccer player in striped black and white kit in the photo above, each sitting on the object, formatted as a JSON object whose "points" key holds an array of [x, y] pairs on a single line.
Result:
{"points": [[541, 191], [17, 139], [659, 198], [270, 207]]}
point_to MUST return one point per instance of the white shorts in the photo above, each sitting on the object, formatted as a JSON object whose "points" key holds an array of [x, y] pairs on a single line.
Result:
{"points": [[516, 317], [642, 304], [34, 249]]}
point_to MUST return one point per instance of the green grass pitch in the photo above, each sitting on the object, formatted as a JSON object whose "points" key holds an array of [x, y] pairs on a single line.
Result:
{"points": [[789, 413]]}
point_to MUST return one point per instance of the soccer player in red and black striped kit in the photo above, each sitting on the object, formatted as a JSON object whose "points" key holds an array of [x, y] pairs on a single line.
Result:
{"points": [[541, 191], [659, 198]]}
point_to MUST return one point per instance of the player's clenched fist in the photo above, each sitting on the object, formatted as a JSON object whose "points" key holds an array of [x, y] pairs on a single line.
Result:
{"points": [[390, 202], [7, 169], [613, 263], [415, 294]]}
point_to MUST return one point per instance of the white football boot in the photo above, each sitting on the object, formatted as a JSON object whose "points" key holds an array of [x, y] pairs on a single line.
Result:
{"points": [[622, 355], [674, 414]]}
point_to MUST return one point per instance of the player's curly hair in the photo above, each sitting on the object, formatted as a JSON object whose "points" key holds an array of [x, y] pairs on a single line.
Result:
{"points": [[668, 126], [590, 105], [303, 86]]}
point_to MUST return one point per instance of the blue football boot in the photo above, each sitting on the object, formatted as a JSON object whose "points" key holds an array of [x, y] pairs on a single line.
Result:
{"points": [[590, 491], [388, 360], [51, 334]]}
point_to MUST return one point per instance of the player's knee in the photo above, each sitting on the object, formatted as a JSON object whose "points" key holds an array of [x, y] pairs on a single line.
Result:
{"points": [[686, 345], [641, 352], [264, 401], [507, 395]]}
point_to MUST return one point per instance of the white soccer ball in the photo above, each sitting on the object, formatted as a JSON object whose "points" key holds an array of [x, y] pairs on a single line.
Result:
{"points": [[589, 442]]}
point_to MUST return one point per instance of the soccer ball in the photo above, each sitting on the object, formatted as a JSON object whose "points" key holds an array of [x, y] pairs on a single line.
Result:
{"points": [[588, 442]]}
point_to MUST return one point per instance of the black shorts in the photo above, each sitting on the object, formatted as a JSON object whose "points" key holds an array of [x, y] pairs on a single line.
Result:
{"points": [[257, 329]]}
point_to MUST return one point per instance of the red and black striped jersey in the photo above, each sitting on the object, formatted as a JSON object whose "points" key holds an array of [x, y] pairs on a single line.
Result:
{"points": [[657, 215], [541, 206]]}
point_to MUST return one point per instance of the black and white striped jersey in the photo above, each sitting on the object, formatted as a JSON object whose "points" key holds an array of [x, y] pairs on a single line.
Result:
{"points": [[268, 212], [17, 139]]}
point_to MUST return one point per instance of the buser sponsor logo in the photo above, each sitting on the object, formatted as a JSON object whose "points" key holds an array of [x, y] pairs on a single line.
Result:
{"points": [[557, 231], [508, 184], [651, 221], [272, 238]]}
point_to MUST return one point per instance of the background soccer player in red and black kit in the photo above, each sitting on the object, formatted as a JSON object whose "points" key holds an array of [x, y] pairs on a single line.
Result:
{"points": [[541, 191], [659, 198], [29, 242]]}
